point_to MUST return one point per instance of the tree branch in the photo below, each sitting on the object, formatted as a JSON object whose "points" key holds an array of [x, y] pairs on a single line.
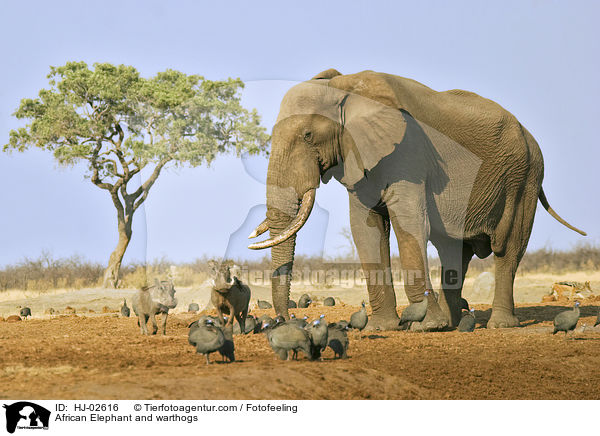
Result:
{"points": [[145, 188]]}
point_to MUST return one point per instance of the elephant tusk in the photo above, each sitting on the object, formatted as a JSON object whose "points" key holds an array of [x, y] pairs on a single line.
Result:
{"points": [[308, 201], [262, 227]]}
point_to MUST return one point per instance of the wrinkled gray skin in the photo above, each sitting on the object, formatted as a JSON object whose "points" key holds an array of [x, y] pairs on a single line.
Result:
{"points": [[207, 338], [337, 340], [317, 331], [448, 167], [228, 294], [149, 302], [285, 337]]}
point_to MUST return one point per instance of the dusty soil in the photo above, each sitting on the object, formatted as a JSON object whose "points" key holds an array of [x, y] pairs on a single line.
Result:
{"points": [[104, 357]]}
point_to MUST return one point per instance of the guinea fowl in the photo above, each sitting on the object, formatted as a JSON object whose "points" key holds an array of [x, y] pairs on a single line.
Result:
{"points": [[285, 337], [329, 301], [567, 321], [206, 337], [597, 318], [300, 322], [193, 307], [264, 304], [124, 309], [249, 326], [415, 312], [358, 320], [337, 340], [318, 331], [279, 319], [467, 322], [292, 304], [304, 301], [343, 324], [263, 319], [25, 312]]}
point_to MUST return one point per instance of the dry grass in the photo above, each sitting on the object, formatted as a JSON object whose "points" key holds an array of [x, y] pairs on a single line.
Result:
{"points": [[47, 273]]}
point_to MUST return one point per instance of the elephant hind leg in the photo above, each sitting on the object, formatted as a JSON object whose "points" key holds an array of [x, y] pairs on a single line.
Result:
{"points": [[507, 263]]}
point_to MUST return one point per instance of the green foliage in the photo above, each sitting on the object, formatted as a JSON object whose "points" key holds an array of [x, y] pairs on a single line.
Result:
{"points": [[120, 122]]}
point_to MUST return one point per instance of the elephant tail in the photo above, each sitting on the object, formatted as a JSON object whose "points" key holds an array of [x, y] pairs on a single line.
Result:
{"points": [[557, 217]]}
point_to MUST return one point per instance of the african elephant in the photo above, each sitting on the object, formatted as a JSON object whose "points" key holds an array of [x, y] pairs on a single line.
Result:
{"points": [[448, 167]]}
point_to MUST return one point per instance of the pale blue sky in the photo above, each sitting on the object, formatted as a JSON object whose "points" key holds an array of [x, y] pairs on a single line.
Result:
{"points": [[539, 59]]}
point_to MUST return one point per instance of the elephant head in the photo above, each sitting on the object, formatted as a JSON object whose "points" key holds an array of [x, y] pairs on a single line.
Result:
{"points": [[330, 126]]}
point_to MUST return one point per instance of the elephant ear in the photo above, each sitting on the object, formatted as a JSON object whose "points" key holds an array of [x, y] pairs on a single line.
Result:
{"points": [[373, 126]]}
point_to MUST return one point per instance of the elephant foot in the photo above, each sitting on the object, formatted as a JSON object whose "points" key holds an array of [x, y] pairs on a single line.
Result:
{"points": [[501, 320], [435, 319], [382, 323], [431, 323]]}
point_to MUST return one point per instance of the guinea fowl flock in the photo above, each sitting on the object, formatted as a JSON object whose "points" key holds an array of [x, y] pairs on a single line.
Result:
{"points": [[209, 334], [287, 337]]}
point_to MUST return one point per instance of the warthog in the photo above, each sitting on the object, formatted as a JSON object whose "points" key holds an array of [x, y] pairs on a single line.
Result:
{"points": [[152, 300], [229, 295]]}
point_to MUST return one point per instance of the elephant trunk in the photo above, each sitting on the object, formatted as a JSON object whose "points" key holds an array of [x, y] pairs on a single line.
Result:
{"points": [[282, 261], [282, 207]]}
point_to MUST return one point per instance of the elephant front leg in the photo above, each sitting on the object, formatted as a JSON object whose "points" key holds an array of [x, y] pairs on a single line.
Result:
{"points": [[410, 222], [371, 233]]}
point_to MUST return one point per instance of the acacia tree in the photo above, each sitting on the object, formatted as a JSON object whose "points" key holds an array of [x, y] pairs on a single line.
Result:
{"points": [[119, 123]]}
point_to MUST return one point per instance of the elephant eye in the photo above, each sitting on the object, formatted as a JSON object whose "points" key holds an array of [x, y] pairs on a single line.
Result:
{"points": [[308, 136]]}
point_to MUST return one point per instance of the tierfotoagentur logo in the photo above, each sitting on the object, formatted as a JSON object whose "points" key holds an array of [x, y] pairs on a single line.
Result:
{"points": [[24, 415]]}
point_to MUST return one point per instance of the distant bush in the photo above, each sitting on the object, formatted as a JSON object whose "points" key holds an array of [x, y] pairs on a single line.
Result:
{"points": [[46, 272]]}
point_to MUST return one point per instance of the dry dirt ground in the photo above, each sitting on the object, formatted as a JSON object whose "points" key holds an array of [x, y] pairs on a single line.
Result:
{"points": [[103, 356]]}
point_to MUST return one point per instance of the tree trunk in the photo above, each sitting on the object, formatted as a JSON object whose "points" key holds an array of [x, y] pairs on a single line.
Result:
{"points": [[111, 274]]}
